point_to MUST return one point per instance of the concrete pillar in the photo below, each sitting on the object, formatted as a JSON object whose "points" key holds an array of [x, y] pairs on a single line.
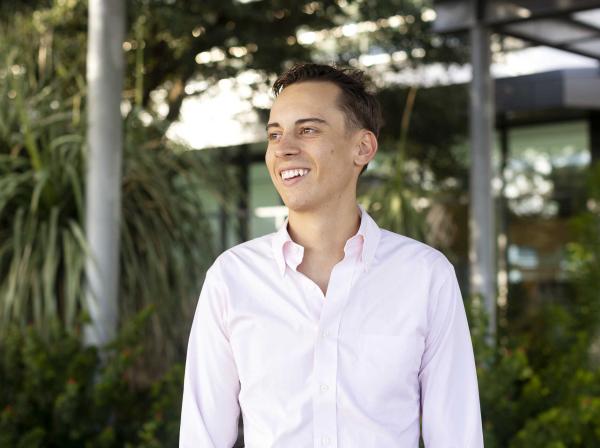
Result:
{"points": [[105, 66], [481, 219]]}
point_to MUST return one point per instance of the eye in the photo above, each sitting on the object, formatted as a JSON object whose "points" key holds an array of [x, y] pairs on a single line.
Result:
{"points": [[308, 131], [273, 136]]}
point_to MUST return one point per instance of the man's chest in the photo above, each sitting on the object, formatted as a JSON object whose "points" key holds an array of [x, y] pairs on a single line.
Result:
{"points": [[286, 337]]}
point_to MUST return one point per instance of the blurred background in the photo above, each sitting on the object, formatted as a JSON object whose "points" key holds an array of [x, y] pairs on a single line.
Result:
{"points": [[132, 153]]}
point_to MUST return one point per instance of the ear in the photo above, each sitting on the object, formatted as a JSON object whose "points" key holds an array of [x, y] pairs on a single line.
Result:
{"points": [[365, 149]]}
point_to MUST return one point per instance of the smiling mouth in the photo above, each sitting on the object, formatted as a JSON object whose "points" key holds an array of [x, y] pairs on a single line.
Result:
{"points": [[290, 177]]}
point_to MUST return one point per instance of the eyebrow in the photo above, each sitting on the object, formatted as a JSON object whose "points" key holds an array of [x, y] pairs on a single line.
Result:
{"points": [[300, 121]]}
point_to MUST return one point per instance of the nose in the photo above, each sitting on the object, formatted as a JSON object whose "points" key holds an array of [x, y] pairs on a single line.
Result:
{"points": [[287, 146]]}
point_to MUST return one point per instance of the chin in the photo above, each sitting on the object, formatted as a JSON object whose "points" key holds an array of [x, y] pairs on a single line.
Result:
{"points": [[297, 205]]}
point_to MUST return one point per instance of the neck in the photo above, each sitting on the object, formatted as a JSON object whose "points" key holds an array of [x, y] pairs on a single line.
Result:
{"points": [[325, 231]]}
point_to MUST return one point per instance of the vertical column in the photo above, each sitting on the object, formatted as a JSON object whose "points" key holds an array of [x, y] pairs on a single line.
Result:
{"points": [[503, 225], [594, 126], [244, 200], [481, 219], [223, 215], [105, 64]]}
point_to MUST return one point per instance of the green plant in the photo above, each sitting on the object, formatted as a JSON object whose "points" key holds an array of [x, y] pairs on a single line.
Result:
{"points": [[55, 392], [391, 197], [42, 242], [166, 239], [541, 387]]}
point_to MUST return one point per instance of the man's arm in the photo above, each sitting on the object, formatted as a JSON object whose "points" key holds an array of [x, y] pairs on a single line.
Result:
{"points": [[449, 393], [210, 409]]}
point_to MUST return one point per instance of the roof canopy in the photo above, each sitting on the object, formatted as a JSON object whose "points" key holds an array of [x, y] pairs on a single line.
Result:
{"points": [[570, 25], [537, 98]]}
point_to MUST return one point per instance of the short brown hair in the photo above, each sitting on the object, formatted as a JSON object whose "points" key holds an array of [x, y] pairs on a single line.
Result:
{"points": [[359, 104]]}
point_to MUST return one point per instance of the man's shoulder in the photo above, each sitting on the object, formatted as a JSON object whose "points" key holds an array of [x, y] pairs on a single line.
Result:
{"points": [[248, 253], [400, 248]]}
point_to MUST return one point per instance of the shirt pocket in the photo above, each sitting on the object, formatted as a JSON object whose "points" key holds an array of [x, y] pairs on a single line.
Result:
{"points": [[390, 359], [383, 372]]}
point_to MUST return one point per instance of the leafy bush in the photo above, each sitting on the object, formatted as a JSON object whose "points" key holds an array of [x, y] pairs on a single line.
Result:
{"points": [[542, 388], [166, 239], [55, 392]]}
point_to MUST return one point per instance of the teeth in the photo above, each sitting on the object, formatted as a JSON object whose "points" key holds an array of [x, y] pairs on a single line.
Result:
{"points": [[288, 174]]}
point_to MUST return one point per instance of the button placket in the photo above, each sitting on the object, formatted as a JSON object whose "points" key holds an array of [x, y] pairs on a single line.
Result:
{"points": [[326, 354]]}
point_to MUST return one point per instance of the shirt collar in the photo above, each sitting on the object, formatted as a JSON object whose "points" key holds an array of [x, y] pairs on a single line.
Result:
{"points": [[286, 251]]}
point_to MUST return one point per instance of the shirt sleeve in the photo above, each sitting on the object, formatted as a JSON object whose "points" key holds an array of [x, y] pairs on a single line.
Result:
{"points": [[451, 415], [210, 408]]}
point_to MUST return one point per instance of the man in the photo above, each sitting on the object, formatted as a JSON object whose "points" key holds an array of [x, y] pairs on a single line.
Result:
{"points": [[330, 332]]}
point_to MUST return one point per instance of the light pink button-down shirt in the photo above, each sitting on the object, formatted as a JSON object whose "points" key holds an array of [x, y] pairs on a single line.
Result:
{"points": [[352, 369]]}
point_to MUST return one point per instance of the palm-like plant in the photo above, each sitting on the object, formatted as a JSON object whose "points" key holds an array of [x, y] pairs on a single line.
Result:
{"points": [[391, 198], [166, 238], [41, 238]]}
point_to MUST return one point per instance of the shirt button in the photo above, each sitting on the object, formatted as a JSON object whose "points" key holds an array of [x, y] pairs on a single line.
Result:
{"points": [[325, 440], [324, 387]]}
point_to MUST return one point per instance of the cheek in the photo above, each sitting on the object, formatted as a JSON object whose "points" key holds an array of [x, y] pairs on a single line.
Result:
{"points": [[270, 163], [269, 160], [339, 159]]}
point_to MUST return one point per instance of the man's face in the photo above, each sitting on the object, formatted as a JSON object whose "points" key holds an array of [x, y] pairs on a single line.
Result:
{"points": [[307, 131]]}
